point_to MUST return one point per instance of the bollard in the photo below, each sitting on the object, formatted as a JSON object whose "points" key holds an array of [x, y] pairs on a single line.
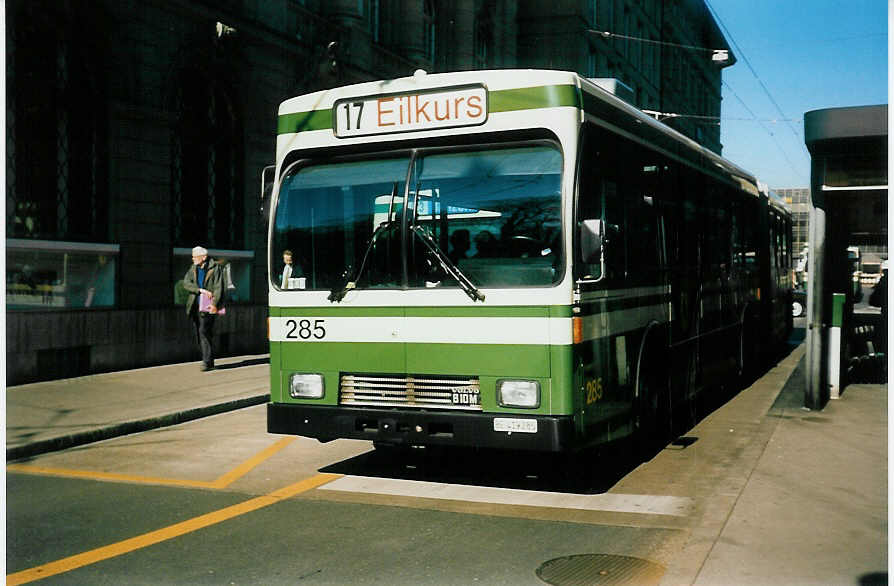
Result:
{"points": [[835, 346]]}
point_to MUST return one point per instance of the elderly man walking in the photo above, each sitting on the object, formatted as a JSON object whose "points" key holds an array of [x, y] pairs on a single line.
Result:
{"points": [[205, 283]]}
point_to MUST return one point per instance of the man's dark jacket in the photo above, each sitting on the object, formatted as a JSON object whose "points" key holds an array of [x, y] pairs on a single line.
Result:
{"points": [[214, 282]]}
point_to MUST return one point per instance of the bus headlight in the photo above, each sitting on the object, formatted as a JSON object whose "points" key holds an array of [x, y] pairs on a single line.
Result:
{"points": [[306, 386], [518, 393]]}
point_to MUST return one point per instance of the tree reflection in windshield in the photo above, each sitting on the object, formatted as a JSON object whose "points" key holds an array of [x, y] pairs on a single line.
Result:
{"points": [[495, 213]]}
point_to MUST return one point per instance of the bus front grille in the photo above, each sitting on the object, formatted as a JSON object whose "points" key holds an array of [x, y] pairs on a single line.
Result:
{"points": [[423, 391]]}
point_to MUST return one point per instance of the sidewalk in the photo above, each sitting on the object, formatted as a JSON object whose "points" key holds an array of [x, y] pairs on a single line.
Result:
{"points": [[55, 415], [814, 510], [807, 502]]}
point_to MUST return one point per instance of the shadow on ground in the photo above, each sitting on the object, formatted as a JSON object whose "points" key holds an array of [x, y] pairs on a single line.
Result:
{"points": [[249, 362], [592, 472]]}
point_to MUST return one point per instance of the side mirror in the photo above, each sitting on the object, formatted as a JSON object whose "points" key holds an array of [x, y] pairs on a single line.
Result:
{"points": [[591, 235], [268, 175]]}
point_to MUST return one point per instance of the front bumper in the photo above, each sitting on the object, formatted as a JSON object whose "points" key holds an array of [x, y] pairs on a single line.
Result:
{"points": [[411, 427]]}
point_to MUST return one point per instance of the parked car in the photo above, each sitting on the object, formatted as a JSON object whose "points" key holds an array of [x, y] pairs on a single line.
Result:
{"points": [[799, 302]]}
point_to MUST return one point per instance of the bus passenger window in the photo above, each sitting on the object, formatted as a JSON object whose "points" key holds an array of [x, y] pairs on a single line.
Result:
{"points": [[615, 237]]}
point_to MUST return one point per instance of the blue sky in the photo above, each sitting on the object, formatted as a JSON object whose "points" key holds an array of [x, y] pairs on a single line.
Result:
{"points": [[810, 55]]}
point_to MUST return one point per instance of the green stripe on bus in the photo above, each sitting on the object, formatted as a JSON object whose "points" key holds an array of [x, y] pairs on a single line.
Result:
{"points": [[476, 311], [339, 311], [560, 311], [417, 358], [496, 311], [304, 121], [547, 96]]}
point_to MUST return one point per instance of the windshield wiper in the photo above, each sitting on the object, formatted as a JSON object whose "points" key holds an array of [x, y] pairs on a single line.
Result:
{"points": [[337, 294], [448, 265]]}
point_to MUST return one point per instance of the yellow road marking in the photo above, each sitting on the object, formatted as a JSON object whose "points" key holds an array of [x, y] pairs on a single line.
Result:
{"points": [[222, 482], [247, 466], [93, 475], [128, 545]]}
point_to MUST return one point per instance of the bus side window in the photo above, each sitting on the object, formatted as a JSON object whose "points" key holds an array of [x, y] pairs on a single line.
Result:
{"points": [[751, 222], [645, 247], [671, 212], [589, 198], [736, 229], [615, 238]]}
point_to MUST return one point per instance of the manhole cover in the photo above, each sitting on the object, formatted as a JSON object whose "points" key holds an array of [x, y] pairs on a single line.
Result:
{"points": [[599, 568]]}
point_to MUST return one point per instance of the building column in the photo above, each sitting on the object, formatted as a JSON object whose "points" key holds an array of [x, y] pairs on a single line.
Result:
{"points": [[462, 36], [816, 393]]}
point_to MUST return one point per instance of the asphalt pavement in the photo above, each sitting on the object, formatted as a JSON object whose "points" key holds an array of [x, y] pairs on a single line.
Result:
{"points": [[807, 506]]}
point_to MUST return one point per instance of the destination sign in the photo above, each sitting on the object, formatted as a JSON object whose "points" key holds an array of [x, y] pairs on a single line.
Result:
{"points": [[410, 112]]}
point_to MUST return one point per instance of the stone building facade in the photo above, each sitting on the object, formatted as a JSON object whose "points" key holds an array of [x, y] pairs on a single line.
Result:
{"points": [[137, 129]]}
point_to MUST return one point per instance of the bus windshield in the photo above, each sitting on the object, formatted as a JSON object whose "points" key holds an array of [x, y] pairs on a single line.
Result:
{"points": [[495, 214]]}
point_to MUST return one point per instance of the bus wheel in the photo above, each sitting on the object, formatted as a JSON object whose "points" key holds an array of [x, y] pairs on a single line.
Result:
{"points": [[651, 411], [692, 399], [644, 415]]}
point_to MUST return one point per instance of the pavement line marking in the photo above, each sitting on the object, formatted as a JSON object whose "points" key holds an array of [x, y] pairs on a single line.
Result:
{"points": [[620, 503], [247, 466], [95, 475], [141, 541], [222, 482]]}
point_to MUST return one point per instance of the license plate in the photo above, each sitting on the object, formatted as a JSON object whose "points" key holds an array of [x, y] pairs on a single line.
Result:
{"points": [[517, 425], [466, 397]]}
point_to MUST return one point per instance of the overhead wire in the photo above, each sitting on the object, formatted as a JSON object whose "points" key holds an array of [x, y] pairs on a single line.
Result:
{"points": [[718, 119], [767, 130], [744, 58], [782, 116], [609, 34]]}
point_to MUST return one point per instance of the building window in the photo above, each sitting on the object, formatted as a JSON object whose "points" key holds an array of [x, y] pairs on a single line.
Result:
{"points": [[56, 132], [53, 274], [609, 22], [373, 23], [430, 24], [206, 154], [484, 39]]}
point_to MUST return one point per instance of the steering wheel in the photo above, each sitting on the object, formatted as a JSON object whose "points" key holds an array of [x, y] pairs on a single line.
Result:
{"points": [[526, 245]]}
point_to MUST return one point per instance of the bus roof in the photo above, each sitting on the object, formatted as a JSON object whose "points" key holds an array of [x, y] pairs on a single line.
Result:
{"points": [[511, 90], [494, 80], [775, 200]]}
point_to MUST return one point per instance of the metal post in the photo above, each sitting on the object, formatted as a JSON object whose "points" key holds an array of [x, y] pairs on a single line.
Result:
{"points": [[815, 374], [838, 300]]}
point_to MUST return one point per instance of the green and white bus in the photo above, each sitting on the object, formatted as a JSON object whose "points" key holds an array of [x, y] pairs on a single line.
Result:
{"points": [[508, 259]]}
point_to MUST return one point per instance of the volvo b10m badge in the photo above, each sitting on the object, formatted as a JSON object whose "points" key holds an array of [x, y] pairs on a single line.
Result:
{"points": [[466, 396]]}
